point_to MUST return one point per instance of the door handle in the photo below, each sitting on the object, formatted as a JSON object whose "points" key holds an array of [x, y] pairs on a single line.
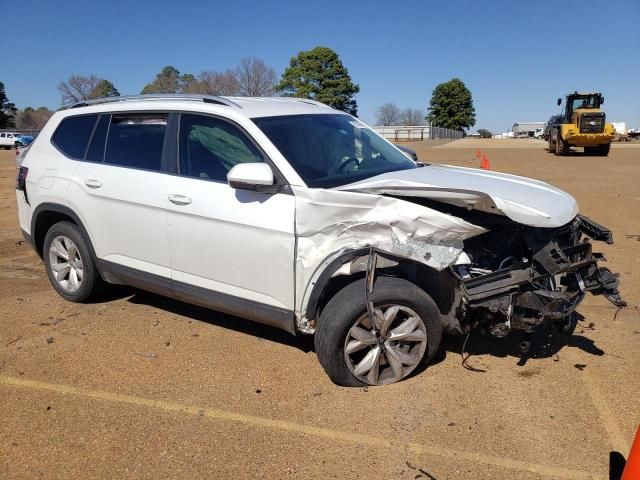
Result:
{"points": [[93, 183], [179, 199]]}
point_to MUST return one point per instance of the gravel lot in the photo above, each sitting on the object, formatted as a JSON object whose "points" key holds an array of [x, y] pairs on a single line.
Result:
{"points": [[139, 386]]}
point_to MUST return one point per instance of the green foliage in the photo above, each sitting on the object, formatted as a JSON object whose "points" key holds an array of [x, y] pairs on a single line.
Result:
{"points": [[484, 133], [105, 88], [170, 80], [452, 106], [318, 74], [7, 110], [167, 81], [188, 83]]}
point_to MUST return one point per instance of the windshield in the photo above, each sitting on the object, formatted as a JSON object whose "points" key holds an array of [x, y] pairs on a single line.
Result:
{"points": [[586, 101], [331, 150]]}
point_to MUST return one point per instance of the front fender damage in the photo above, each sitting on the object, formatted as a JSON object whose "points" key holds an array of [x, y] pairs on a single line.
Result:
{"points": [[505, 275], [330, 222]]}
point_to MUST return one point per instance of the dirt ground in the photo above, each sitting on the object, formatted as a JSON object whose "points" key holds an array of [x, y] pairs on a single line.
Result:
{"points": [[139, 386]]}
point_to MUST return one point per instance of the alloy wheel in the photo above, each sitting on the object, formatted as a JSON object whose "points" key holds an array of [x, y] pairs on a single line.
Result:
{"points": [[388, 348], [66, 263]]}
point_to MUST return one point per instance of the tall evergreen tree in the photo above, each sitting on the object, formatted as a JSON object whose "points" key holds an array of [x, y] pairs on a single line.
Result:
{"points": [[319, 74], [105, 88], [451, 106], [7, 110], [168, 80]]}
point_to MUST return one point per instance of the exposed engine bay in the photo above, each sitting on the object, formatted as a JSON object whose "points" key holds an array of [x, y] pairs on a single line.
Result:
{"points": [[518, 279], [515, 276]]}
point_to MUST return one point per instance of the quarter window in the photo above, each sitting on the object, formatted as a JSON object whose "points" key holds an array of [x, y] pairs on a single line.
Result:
{"points": [[136, 141], [72, 135], [209, 147]]}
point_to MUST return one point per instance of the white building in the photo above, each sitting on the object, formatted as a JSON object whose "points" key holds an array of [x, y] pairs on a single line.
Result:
{"points": [[522, 129]]}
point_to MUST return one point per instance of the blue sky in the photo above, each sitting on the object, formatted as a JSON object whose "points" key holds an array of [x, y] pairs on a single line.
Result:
{"points": [[515, 57]]}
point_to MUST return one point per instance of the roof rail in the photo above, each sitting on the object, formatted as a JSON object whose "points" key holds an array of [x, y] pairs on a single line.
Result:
{"points": [[309, 101], [158, 96]]}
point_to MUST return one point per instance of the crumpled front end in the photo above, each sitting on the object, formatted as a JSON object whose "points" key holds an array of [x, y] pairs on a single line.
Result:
{"points": [[531, 275]]}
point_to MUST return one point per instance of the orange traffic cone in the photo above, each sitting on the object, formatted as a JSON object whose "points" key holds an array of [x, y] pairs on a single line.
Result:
{"points": [[478, 153], [632, 468], [484, 164]]}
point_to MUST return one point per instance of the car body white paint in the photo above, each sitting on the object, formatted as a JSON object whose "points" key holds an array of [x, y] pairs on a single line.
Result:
{"points": [[268, 247], [526, 201]]}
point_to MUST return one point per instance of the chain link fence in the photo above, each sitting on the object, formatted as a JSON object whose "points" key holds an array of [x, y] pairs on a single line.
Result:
{"points": [[414, 133]]}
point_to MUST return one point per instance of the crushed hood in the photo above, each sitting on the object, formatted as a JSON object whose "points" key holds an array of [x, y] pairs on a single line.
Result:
{"points": [[523, 200]]}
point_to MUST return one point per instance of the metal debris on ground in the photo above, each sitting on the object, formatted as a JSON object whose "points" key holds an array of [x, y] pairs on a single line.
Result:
{"points": [[146, 354], [465, 358]]}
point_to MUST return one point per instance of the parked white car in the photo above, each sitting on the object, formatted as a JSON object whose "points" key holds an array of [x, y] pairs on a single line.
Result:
{"points": [[8, 140], [287, 212]]}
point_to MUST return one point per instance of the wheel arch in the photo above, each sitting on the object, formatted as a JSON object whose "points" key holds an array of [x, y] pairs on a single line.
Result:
{"points": [[441, 286], [48, 214]]}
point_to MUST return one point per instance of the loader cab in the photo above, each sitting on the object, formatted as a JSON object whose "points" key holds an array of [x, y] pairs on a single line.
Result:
{"points": [[580, 101]]}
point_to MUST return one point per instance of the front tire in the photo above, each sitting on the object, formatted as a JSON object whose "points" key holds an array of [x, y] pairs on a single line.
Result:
{"points": [[69, 263], [603, 150], [355, 352], [562, 147], [591, 150]]}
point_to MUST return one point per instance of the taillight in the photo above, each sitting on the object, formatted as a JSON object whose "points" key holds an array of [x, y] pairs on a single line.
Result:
{"points": [[21, 182], [21, 179]]}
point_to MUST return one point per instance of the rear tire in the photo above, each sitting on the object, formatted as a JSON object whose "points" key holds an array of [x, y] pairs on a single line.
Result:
{"points": [[551, 147], [69, 262], [342, 317]]}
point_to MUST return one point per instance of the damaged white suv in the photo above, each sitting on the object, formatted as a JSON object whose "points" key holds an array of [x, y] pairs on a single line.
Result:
{"points": [[287, 212]]}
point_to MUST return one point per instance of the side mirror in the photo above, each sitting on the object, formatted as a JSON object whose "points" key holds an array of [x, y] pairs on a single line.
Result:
{"points": [[601, 100], [248, 176], [559, 101], [411, 154]]}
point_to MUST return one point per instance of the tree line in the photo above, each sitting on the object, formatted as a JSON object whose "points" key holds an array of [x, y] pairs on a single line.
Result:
{"points": [[451, 106], [316, 74]]}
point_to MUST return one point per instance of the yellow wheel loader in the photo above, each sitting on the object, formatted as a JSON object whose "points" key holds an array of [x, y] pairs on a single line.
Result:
{"points": [[582, 123]]}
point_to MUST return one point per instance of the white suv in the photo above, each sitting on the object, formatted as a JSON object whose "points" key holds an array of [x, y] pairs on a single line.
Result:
{"points": [[290, 213], [9, 140]]}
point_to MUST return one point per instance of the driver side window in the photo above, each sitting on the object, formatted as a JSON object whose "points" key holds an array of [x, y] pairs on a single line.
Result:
{"points": [[209, 147]]}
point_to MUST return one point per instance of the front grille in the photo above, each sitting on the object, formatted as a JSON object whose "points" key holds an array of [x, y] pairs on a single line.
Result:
{"points": [[592, 122]]}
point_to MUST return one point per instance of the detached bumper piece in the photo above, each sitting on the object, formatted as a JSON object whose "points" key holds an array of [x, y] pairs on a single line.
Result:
{"points": [[549, 286], [594, 230]]}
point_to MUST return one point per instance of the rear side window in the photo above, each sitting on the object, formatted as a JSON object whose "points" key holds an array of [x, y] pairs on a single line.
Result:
{"points": [[72, 135], [136, 141]]}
